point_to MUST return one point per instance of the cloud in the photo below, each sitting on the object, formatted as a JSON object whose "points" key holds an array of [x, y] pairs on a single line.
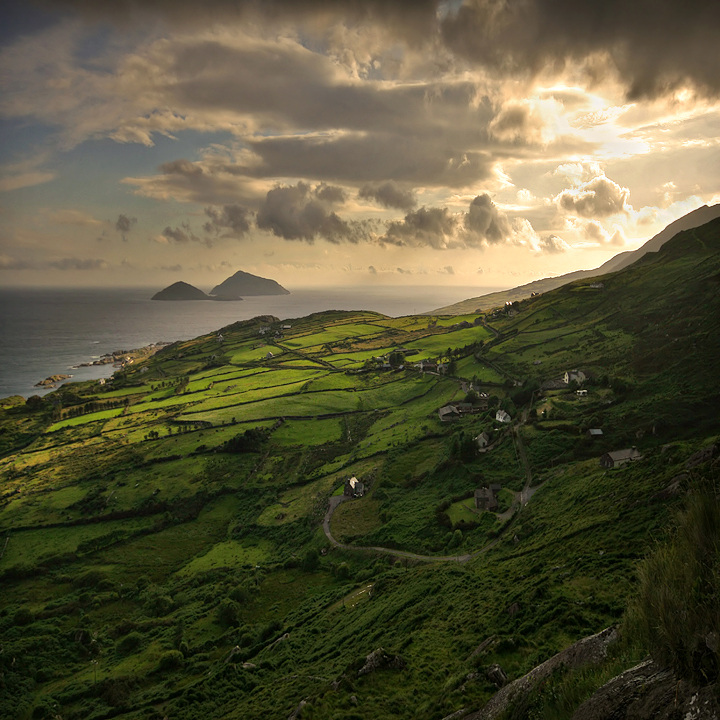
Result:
{"points": [[390, 195], [551, 244], [654, 46], [11, 263], [599, 197], [518, 122], [23, 180], [234, 218], [485, 221], [73, 263], [301, 212], [73, 217], [180, 235], [433, 227], [124, 224], [595, 232]]}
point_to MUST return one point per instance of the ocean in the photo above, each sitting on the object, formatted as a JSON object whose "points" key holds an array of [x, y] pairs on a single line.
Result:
{"points": [[46, 331]]}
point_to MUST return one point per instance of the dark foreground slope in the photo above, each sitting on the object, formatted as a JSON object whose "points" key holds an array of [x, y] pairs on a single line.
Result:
{"points": [[162, 544]]}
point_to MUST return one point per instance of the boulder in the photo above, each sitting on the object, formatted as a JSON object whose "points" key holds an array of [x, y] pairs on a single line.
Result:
{"points": [[380, 660], [649, 692]]}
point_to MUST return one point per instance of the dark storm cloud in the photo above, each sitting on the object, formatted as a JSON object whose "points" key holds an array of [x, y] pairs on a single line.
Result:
{"points": [[300, 212], [390, 195], [363, 157], [484, 221], [433, 227], [655, 44], [598, 197], [234, 218]]}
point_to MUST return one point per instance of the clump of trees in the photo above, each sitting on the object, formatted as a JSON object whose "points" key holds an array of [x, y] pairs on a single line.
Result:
{"points": [[251, 440]]}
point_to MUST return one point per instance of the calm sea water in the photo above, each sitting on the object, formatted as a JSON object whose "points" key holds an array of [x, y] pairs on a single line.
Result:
{"points": [[46, 331]]}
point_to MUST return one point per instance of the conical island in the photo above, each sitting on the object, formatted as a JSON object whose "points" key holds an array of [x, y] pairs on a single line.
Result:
{"points": [[244, 284], [181, 291]]}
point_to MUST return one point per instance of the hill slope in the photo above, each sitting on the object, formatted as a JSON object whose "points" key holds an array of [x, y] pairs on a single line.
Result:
{"points": [[163, 550], [618, 262]]}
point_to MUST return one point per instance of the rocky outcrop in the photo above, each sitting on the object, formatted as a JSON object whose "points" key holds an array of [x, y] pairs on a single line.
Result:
{"points": [[588, 651], [380, 660], [51, 382], [648, 692]]}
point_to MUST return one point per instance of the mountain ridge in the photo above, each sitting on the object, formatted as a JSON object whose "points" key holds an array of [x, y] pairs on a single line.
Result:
{"points": [[693, 219]]}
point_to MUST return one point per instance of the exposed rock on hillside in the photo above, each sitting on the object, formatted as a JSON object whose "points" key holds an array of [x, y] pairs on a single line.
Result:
{"points": [[647, 692], [588, 651], [379, 659]]}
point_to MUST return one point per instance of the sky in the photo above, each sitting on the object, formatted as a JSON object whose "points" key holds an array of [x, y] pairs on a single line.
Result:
{"points": [[477, 143]]}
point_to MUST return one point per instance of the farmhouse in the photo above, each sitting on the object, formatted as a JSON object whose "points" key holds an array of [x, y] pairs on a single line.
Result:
{"points": [[486, 497], [354, 488], [594, 433], [619, 457], [502, 416], [581, 393], [577, 376], [269, 355], [482, 440], [448, 413]]}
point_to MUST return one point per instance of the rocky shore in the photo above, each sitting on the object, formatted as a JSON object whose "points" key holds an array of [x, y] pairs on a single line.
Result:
{"points": [[117, 358]]}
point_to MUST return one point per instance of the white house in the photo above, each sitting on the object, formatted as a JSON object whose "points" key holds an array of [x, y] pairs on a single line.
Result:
{"points": [[502, 416], [577, 375]]}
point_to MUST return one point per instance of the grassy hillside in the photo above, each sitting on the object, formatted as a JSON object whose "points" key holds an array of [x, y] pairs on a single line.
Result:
{"points": [[163, 551]]}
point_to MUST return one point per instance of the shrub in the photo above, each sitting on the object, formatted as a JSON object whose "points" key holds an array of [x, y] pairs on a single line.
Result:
{"points": [[675, 615], [227, 612], [23, 616], [130, 642], [170, 660]]}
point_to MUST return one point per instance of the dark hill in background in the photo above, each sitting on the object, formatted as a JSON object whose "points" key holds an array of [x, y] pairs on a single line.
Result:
{"points": [[243, 284], [622, 260], [180, 291]]}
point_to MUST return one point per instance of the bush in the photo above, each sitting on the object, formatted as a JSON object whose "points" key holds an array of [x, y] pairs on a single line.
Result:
{"points": [[130, 642], [171, 660], [227, 612], [23, 616], [675, 615]]}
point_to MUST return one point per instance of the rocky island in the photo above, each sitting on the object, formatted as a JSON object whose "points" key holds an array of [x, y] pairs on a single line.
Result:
{"points": [[181, 291], [242, 283]]}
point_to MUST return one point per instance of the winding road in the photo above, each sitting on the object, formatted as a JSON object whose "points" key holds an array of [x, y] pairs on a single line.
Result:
{"points": [[521, 499]]}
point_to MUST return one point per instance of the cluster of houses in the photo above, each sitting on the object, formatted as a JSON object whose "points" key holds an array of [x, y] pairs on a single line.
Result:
{"points": [[267, 330], [454, 411]]}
